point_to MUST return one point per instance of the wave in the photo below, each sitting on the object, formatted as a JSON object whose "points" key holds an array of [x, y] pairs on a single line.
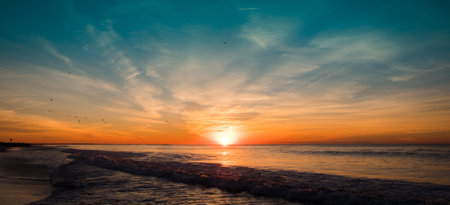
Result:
{"points": [[290, 185], [419, 153]]}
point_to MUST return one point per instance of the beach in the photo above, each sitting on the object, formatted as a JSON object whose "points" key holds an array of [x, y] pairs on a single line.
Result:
{"points": [[109, 174], [21, 180]]}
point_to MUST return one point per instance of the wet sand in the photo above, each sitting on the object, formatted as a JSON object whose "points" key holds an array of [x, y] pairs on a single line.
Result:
{"points": [[22, 181]]}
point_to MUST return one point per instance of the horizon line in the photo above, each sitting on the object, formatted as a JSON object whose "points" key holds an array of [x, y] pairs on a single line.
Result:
{"points": [[231, 145]]}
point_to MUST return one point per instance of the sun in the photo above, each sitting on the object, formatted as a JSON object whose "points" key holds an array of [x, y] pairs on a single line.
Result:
{"points": [[226, 137], [225, 141]]}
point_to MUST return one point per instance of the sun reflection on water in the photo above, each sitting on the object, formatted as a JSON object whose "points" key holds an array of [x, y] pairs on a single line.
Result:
{"points": [[224, 159]]}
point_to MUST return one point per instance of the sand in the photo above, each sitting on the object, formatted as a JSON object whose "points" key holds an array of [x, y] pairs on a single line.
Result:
{"points": [[22, 181]]}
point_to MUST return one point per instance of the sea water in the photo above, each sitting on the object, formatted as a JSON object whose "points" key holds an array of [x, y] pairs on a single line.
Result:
{"points": [[415, 163], [263, 174]]}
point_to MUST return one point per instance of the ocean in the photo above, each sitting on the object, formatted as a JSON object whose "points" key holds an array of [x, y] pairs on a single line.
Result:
{"points": [[262, 174], [415, 163]]}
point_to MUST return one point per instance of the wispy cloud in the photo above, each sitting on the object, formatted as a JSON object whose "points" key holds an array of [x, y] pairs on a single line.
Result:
{"points": [[142, 90], [160, 75], [248, 9], [53, 51], [267, 32], [401, 78]]}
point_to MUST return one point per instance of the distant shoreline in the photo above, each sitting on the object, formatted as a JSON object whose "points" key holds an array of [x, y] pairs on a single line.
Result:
{"points": [[4, 146]]}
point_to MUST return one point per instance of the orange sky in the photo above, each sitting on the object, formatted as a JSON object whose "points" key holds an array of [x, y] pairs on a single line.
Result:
{"points": [[160, 73]]}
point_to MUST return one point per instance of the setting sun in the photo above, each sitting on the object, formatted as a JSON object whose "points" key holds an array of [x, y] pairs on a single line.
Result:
{"points": [[225, 141], [226, 137]]}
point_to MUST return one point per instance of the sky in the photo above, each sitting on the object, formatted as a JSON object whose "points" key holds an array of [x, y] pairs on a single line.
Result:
{"points": [[188, 72]]}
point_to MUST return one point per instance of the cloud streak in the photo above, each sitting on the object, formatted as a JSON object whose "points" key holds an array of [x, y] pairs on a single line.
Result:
{"points": [[180, 76]]}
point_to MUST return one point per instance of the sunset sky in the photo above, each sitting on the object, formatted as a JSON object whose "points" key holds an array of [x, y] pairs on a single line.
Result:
{"points": [[186, 72]]}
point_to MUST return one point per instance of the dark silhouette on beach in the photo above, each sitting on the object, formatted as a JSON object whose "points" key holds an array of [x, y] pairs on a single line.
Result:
{"points": [[4, 146]]}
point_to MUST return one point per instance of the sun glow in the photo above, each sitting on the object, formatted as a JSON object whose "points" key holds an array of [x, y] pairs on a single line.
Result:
{"points": [[226, 137], [225, 141]]}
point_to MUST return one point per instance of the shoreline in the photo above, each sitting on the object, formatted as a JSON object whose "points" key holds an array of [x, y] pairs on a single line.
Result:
{"points": [[4, 146], [22, 180], [77, 174]]}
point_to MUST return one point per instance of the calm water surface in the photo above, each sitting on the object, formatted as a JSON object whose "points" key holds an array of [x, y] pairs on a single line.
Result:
{"points": [[415, 163]]}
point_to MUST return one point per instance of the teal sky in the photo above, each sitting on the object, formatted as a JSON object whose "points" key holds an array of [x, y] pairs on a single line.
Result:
{"points": [[180, 71]]}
